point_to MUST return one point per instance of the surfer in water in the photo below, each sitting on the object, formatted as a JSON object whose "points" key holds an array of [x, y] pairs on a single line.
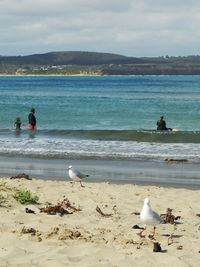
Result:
{"points": [[161, 125]]}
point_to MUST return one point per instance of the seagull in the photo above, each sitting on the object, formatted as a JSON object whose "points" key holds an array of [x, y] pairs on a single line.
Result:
{"points": [[76, 176], [149, 217]]}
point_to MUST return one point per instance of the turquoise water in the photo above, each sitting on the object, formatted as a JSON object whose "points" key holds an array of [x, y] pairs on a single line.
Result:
{"points": [[111, 102], [101, 117]]}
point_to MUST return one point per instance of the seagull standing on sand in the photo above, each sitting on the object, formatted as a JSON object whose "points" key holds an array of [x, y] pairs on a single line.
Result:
{"points": [[149, 217], [76, 176]]}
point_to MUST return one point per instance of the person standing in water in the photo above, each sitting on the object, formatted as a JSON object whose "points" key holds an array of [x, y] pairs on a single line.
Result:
{"points": [[161, 125], [18, 123], [32, 120]]}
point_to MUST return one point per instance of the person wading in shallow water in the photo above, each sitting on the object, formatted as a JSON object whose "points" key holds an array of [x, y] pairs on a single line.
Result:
{"points": [[18, 123], [161, 125], [32, 119]]}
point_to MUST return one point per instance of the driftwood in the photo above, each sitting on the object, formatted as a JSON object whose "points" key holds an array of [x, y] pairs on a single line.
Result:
{"points": [[102, 213], [60, 208], [168, 217], [21, 175]]}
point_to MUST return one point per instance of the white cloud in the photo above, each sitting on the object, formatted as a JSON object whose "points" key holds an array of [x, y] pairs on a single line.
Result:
{"points": [[129, 27]]}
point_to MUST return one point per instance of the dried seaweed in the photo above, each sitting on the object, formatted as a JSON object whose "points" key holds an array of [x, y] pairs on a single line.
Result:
{"points": [[168, 217], [30, 230], [61, 208], [21, 175], [170, 160]]}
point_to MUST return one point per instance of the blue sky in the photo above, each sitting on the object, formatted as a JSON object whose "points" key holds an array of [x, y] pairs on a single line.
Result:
{"points": [[129, 27]]}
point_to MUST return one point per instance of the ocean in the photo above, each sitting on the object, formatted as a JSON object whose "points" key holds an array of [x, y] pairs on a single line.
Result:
{"points": [[101, 117]]}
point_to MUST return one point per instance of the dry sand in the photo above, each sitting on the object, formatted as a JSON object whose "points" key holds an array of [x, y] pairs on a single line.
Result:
{"points": [[86, 238]]}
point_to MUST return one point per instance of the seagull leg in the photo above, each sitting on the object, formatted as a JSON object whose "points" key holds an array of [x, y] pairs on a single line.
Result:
{"points": [[153, 234], [141, 232], [81, 184]]}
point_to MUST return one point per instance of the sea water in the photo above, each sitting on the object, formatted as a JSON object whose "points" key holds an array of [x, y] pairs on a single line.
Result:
{"points": [[101, 117]]}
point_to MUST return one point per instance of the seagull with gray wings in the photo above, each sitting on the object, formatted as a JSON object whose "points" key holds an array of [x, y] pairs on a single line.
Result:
{"points": [[76, 176], [149, 217]]}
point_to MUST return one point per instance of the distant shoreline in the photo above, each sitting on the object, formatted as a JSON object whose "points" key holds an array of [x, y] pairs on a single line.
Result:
{"points": [[40, 75]]}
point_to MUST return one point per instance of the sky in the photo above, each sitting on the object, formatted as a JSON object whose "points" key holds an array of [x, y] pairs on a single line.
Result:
{"points": [[138, 28]]}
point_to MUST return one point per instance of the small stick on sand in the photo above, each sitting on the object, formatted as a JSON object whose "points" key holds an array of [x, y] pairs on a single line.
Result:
{"points": [[102, 213]]}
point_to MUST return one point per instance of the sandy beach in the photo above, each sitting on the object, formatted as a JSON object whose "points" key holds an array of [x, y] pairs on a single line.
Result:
{"points": [[98, 230]]}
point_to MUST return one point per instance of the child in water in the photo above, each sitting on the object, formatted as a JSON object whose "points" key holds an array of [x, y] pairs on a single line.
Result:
{"points": [[18, 123]]}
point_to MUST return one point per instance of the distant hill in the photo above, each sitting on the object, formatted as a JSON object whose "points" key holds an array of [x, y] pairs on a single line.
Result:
{"points": [[93, 63], [70, 58]]}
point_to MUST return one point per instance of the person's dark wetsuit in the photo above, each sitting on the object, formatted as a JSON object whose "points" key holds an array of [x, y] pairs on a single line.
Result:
{"points": [[32, 119], [161, 125]]}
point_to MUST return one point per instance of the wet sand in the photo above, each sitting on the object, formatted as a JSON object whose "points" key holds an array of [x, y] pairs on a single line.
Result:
{"points": [[116, 171]]}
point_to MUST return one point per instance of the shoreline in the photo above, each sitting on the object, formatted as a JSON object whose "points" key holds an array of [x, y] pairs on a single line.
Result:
{"points": [[181, 175]]}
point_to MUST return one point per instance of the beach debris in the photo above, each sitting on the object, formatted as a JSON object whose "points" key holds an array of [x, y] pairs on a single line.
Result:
{"points": [[115, 209], [21, 176], [30, 230], [29, 210], [170, 160], [63, 234], [171, 237], [137, 227], [70, 234], [35, 234], [136, 213], [198, 214], [157, 247], [131, 241], [170, 240], [168, 217], [102, 213], [61, 208], [180, 247], [3, 200], [54, 231]]}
